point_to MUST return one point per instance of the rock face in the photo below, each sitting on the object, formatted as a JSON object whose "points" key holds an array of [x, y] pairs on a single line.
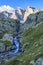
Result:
{"points": [[8, 37], [40, 16], [9, 12], [39, 62], [10, 48], [2, 47], [29, 11], [19, 14]]}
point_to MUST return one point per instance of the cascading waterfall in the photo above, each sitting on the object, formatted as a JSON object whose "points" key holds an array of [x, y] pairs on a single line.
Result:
{"points": [[16, 42]]}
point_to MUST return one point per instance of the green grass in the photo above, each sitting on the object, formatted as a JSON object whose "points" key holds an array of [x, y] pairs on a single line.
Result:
{"points": [[33, 35], [7, 43], [33, 51]]}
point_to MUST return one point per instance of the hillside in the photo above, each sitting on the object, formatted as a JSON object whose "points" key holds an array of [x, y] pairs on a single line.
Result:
{"points": [[30, 32], [33, 50]]}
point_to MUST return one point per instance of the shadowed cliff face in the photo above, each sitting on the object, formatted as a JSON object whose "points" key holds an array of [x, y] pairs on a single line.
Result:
{"points": [[17, 29]]}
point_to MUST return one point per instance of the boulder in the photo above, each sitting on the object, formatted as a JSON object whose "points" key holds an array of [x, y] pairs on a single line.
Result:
{"points": [[39, 62], [10, 48], [8, 37], [2, 47]]}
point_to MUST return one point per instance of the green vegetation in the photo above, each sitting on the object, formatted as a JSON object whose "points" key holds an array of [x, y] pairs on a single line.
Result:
{"points": [[34, 49], [1, 36], [7, 43], [8, 25], [33, 34]]}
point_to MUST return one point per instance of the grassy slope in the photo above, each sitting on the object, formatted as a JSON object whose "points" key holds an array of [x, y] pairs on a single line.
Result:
{"points": [[35, 48]]}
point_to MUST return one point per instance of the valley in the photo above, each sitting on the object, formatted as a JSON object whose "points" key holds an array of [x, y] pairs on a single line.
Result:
{"points": [[21, 37]]}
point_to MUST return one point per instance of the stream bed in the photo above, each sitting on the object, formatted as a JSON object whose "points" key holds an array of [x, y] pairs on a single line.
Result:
{"points": [[9, 55]]}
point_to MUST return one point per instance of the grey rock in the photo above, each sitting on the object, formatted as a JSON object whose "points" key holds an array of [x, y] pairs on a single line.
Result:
{"points": [[2, 47], [8, 37], [10, 48], [39, 62]]}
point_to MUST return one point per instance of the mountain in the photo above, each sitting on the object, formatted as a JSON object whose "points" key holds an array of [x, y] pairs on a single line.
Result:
{"points": [[29, 18], [31, 34], [9, 12], [19, 14], [6, 8], [32, 43], [29, 11]]}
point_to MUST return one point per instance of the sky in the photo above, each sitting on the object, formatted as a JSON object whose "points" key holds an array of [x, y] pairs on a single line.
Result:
{"points": [[22, 3]]}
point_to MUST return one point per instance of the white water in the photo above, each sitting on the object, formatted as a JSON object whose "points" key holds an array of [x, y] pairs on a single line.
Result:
{"points": [[16, 42], [7, 56]]}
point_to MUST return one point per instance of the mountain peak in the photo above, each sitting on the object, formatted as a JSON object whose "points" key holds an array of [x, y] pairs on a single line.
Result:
{"points": [[19, 13], [6, 8]]}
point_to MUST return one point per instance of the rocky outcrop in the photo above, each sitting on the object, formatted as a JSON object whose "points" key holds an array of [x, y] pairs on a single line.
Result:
{"points": [[29, 10], [20, 14], [39, 62], [10, 48], [8, 37], [2, 47], [9, 12]]}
